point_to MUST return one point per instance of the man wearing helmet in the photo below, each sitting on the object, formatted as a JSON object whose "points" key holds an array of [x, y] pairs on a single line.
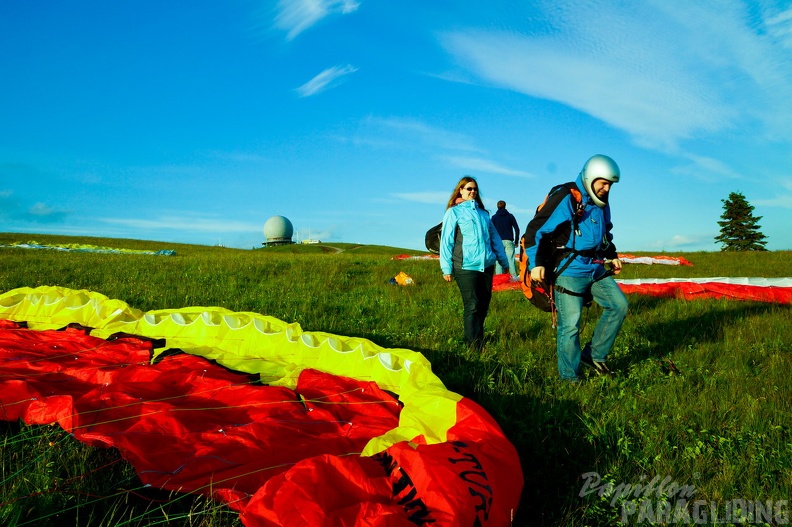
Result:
{"points": [[576, 244]]}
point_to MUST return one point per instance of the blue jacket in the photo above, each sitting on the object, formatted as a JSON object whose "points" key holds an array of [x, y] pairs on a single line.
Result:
{"points": [[593, 236], [506, 225], [479, 244]]}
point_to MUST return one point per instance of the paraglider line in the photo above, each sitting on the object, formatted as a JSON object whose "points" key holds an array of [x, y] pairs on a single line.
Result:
{"points": [[60, 484], [44, 356], [202, 490], [188, 462], [213, 482], [40, 456], [299, 400], [76, 506]]}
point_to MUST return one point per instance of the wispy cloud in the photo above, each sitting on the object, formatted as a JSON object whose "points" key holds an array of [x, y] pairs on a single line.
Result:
{"points": [[779, 26], [783, 194], [477, 164], [41, 213], [459, 150], [186, 222], [400, 132], [683, 242], [329, 78], [432, 198], [324, 234], [706, 168], [12, 209], [295, 16], [661, 71], [782, 201], [237, 157]]}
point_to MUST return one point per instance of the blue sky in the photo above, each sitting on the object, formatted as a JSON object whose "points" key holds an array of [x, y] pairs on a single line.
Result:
{"points": [[196, 121]]}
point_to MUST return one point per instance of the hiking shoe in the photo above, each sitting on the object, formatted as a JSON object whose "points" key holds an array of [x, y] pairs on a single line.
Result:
{"points": [[600, 368]]}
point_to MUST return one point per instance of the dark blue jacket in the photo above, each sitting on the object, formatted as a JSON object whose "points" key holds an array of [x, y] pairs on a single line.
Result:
{"points": [[506, 225]]}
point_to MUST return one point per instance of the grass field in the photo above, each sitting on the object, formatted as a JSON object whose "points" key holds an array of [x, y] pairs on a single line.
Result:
{"points": [[701, 398]]}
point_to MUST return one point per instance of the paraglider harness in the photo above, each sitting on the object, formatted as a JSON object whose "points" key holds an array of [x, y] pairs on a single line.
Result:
{"points": [[432, 239], [540, 293]]}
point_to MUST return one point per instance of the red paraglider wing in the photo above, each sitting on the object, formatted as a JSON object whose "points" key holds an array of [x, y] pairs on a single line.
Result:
{"points": [[319, 449]]}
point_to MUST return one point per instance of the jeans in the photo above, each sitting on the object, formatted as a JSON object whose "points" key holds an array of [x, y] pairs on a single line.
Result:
{"points": [[508, 247], [569, 308], [476, 290]]}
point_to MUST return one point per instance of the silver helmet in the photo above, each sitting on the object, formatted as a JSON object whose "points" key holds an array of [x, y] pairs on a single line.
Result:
{"points": [[599, 167]]}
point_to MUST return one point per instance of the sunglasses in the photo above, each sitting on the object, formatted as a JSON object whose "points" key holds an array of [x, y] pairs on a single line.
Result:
{"points": [[471, 189]]}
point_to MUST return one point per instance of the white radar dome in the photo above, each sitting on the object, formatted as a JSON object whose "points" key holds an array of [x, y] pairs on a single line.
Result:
{"points": [[278, 229]]}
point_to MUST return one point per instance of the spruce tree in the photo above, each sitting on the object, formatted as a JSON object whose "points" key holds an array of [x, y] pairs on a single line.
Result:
{"points": [[739, 228]]}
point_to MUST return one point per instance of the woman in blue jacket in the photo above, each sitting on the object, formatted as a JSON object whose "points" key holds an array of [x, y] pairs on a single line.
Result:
{"points": [[469, 247]]}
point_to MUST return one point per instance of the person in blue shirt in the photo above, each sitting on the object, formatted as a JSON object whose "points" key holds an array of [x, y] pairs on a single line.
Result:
{"points": [[469, 248], [587, 250], [509, 231]]}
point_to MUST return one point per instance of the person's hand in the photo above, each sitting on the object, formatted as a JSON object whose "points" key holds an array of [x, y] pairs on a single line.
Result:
{"points": [[616, 265], [538, 273], [447, 277]]}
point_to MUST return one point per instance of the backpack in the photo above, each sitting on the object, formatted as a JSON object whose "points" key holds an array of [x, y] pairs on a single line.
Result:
{"points": [[432, 239], [540, 294]]}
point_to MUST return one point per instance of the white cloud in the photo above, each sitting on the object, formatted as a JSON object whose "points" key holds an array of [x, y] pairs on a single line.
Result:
{"points": [[42, 213], [295, 16], [237, 156], [314, 234], [779, 26], [784, 202], [477, 164], [743, 56], [184, 223], [654, 106], [683, 242], [432, 198], [440, 143], [327, 79], [407, 131], [706, 168], [39, 209], [663, 71], [786, 183]]}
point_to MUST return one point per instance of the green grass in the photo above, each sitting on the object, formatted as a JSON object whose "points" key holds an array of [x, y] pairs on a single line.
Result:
{"points": [[701, 395]]}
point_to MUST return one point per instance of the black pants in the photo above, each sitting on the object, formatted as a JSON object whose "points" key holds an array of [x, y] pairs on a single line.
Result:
{"points": [[476, 290]]}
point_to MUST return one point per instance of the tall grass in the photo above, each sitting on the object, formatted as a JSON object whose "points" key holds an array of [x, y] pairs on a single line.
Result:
{"points": [[700, 398]]}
